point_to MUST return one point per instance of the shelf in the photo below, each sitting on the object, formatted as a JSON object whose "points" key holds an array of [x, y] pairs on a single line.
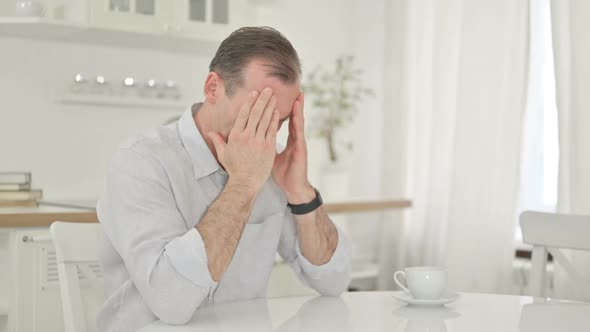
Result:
{"points": [[43, 216], [366, 206], [121, 102], [46, 29]]}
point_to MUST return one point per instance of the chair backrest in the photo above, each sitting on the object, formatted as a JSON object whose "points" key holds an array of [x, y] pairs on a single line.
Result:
{"points": [[76, 246], [548, 233]]}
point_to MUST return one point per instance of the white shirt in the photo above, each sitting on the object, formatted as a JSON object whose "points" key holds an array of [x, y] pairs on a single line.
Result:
{"points": [[158, 188]]}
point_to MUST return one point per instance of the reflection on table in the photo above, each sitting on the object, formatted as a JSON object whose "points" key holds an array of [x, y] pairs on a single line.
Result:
{"points": [[379, 311]]}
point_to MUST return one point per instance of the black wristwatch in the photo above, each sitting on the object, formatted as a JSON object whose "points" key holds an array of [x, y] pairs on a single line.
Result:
{"points": [[300, 209]]}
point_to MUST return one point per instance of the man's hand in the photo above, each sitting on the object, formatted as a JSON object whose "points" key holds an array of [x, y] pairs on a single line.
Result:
{"points": [[317, 234], [247, 157], [249, 154], [290, 167]]}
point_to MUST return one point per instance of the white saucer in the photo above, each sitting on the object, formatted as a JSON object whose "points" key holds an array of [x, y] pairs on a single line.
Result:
{"points": [[409, 299]]}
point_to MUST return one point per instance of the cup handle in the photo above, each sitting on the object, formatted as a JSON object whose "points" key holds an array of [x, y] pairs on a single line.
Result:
{"points": [[398, 282]]}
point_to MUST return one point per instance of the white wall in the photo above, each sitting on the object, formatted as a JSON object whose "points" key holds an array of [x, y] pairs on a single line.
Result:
{"points": [[68, 147]]}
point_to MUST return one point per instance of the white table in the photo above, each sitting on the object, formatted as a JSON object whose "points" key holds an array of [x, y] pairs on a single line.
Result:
{"points": [[378, 311]]}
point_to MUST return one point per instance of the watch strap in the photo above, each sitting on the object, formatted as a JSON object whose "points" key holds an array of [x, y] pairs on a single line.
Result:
{"points": [[300, 209]]}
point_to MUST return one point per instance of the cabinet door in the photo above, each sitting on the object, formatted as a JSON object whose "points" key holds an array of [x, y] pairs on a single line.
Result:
{"points": [[211, 20], [152, 16]]}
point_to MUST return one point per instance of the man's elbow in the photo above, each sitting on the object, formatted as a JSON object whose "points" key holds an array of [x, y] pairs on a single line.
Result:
{"points": [[333, 291], [176, 310], [335, 286], [173, 315]]}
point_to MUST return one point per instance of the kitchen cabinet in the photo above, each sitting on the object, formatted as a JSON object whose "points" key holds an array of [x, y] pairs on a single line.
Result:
{"points": [[151, 16], [177, 26], [210, 19], [202, 19]]}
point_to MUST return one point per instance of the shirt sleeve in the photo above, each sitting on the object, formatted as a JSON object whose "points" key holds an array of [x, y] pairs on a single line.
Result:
{"points": [[188, 256], [166, 262], [331, 278]]}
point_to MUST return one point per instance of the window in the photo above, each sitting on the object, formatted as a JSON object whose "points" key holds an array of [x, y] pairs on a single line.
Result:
{"points": [[540, 149]]}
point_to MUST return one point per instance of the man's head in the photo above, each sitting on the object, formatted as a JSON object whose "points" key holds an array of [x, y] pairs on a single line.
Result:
{"points": [[251, 58]]}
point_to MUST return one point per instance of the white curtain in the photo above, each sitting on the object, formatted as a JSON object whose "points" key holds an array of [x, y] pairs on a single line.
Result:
{"points": [[571, 48], [464, 88]]}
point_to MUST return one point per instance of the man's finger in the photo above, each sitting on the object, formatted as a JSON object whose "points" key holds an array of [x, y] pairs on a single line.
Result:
{"points": [[266, 117], [258, 110], [244, 114], [297, 118], [273, 128]]}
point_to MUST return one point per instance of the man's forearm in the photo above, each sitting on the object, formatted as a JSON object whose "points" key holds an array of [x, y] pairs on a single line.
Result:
{"points": [[317, 235], [222, 225]]}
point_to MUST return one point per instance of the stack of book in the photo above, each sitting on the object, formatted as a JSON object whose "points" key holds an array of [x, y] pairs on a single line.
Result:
{"points": [[16, 190]]}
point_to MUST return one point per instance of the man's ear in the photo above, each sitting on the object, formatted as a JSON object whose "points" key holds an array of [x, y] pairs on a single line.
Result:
{"points": [[213, 87]]}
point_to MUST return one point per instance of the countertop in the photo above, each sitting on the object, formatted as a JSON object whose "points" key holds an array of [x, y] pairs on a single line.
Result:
{"points": [[84, 211], [45, 214]]}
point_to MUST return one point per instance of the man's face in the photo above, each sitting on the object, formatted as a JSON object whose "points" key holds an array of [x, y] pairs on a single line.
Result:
{"points": [[257, 77]]}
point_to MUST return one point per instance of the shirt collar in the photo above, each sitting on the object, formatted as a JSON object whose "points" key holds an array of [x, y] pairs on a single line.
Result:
{"points": [[204, 163]]}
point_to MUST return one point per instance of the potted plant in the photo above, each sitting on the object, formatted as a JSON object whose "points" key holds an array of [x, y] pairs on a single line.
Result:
{"points": [[335, 95]]}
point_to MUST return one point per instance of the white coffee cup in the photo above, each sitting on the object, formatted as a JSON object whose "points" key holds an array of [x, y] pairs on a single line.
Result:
{"points": [[423, 282]]}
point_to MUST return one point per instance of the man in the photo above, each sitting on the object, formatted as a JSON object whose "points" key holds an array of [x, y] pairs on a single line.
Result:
{"points": [[195, 211]]}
